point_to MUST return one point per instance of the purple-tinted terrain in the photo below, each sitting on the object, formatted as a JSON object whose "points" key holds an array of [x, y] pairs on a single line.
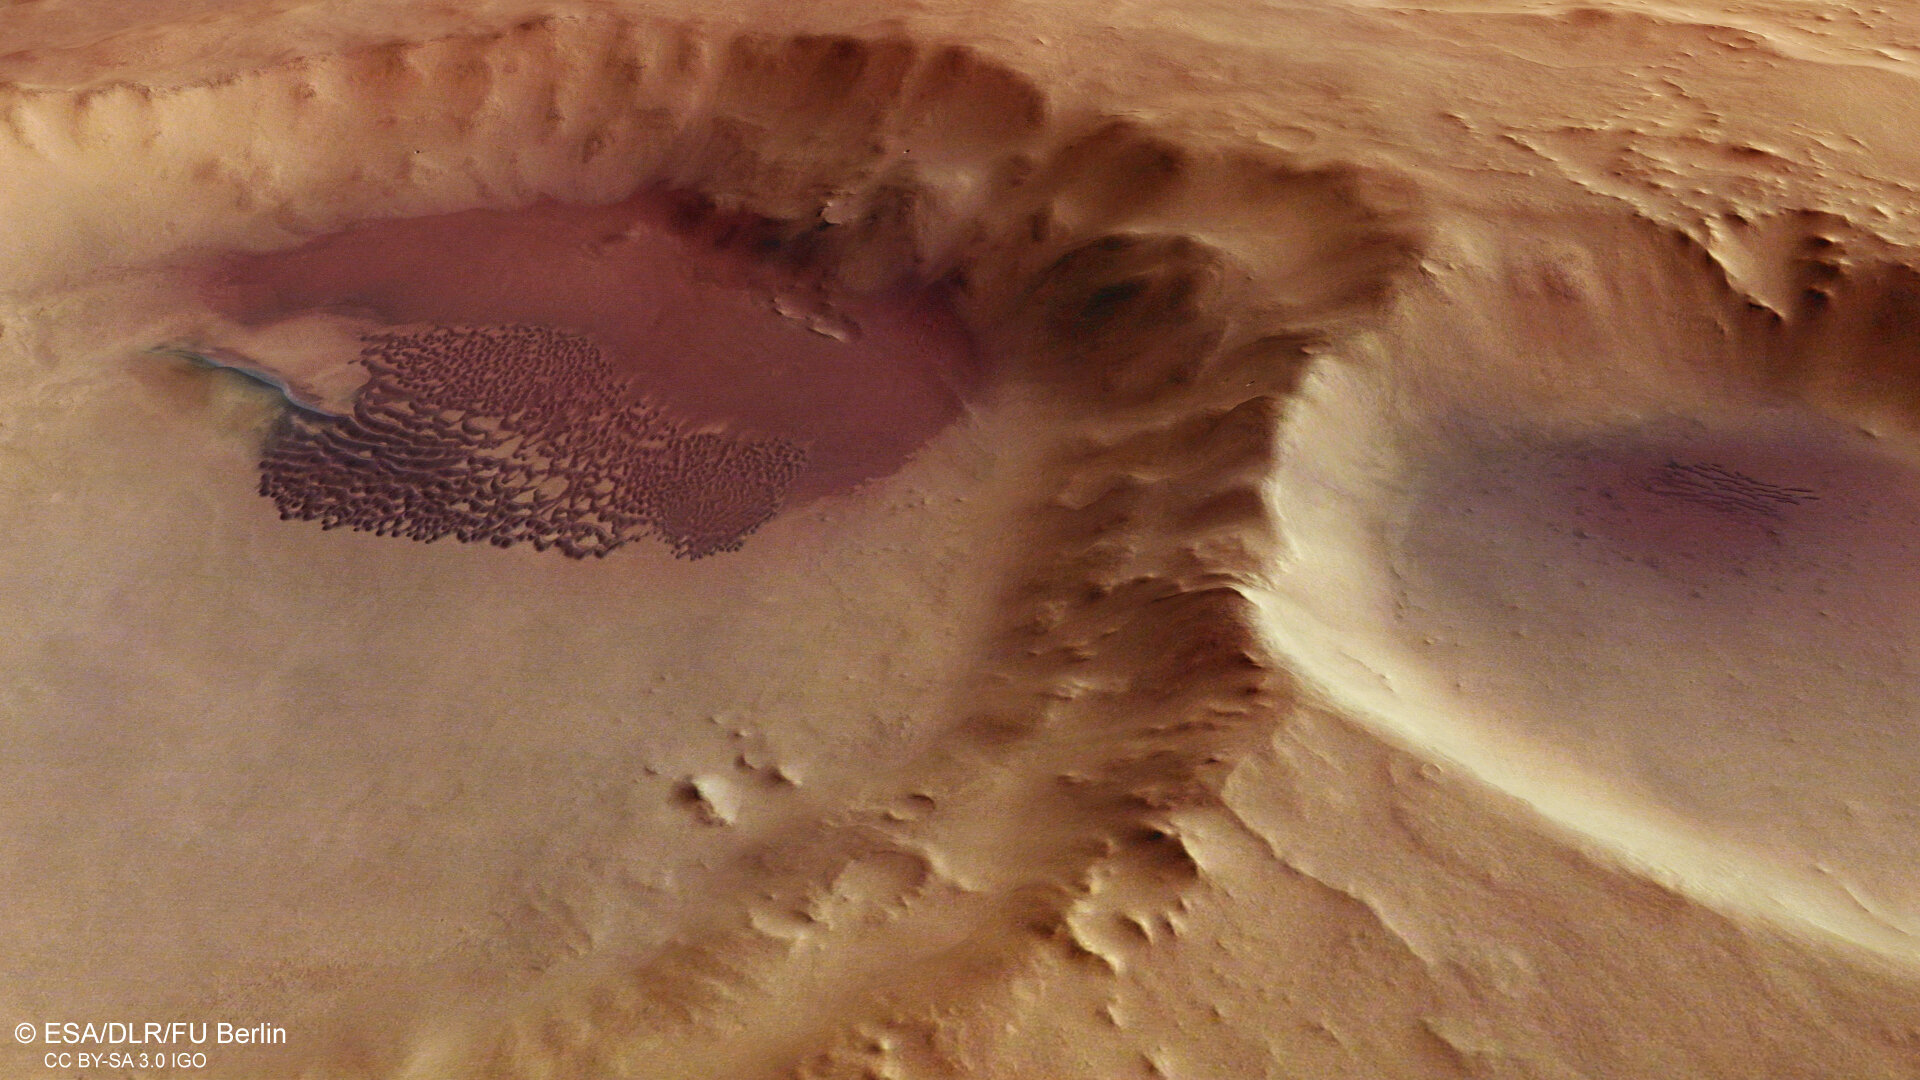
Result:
{"points": [[577, 377]]}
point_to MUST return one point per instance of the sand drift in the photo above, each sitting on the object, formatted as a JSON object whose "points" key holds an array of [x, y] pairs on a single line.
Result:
{"points": [[899, 362], [1678, 618], [1094, 553], [632, 343]]}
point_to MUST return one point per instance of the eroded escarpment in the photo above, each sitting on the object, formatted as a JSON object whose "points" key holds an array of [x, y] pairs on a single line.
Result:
{"points": [[1056, 832], [725, 355], [528, 371], [1643, 563], [1109, 838], [1040, 836]]}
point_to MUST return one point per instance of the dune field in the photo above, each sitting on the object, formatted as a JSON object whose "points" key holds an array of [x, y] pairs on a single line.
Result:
{"points": [[1023, 540]]}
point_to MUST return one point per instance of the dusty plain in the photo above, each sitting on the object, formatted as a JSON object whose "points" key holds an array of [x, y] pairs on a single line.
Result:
{"points": [[1177, 540]]}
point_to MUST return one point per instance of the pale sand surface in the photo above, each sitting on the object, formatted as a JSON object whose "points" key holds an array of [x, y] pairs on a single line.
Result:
{"points": [[1342, 541]]}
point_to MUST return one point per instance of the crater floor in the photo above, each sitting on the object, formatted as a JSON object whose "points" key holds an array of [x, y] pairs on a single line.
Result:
{"points": [[1183, 541], [1688, 636]]}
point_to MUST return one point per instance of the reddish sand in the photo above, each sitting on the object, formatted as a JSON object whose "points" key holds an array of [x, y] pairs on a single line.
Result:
{"points": [[717, 319]]}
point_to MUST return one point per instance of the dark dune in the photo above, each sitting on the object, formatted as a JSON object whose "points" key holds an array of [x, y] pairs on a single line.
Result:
{"points": [[519, 434], [718, 343], [1724, 502], [1711, 616]]}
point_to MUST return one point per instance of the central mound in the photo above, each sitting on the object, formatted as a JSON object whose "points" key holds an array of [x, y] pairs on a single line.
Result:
{"points": [[591, 374]]}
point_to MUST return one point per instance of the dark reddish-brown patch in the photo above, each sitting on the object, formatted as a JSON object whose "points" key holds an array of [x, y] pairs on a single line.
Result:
{"points": [[652, 366], [1721, 501], [519, 434]]}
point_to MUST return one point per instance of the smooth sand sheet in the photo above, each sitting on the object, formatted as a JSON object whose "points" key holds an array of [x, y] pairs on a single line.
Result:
{"points": [[1075, 725], [230, 721], [1693, 637], [716, 317]]}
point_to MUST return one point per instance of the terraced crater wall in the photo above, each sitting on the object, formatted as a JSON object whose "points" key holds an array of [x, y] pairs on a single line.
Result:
{"points": [[1058, 457]]}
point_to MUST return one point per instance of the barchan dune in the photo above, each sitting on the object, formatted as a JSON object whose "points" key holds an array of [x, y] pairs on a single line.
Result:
{"points": [[1025, 540]]}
